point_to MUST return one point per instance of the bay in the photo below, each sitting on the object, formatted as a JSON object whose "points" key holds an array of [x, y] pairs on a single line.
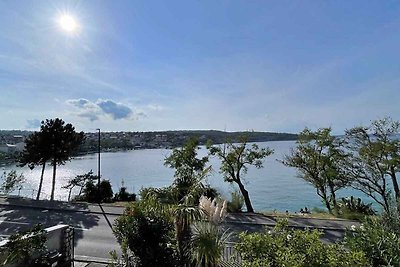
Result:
{"points": [[274, 187]]}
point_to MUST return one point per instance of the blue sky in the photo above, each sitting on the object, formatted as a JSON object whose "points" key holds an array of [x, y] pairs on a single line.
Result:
{"points": [[234, 65]]}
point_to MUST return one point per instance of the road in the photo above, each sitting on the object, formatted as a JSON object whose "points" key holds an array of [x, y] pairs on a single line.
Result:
{"points": [[93, 234], [92, 223]]}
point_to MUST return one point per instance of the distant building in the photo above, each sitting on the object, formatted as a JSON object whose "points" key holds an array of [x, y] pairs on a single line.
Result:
{"points": [[7, 148]]}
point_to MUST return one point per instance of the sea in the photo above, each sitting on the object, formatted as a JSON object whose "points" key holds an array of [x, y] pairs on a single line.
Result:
{"points": [[274, 187]]}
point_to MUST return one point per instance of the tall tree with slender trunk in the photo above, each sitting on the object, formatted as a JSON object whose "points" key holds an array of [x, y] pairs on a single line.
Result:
{"points": [[318, 158], [63, 142], [375, 160], [235, 160], [35, 153]]}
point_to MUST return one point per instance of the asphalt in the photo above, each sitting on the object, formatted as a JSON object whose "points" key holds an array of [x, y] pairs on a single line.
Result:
{"points": [[93, 223], [62, 205]]}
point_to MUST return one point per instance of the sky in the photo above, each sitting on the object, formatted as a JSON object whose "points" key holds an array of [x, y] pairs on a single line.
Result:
{"points": [[178, 65]]}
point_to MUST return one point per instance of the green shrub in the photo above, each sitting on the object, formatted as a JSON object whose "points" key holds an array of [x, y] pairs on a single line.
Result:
{"points": [[22, 247], [124, 195], [236, 203], [297, 248], [354, 208], [92, 193], [11, 181], [148, 233], [379, 239]]}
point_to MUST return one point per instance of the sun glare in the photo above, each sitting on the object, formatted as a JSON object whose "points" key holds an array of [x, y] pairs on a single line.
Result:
{"points": [[68, 23]]}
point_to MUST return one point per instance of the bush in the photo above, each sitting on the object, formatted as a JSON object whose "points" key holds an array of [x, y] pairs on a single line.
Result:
{"points": [[22, 247], [92, 193], [236, 203], [297, 248], [11, 181], [379, 239], [354, 209], [207, 243], [147, 233], [124, 195]]}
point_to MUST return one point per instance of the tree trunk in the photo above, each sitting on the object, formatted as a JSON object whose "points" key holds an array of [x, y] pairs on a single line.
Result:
{"points": [[395, 184], [69, 194], [182, 236], [333, 197], [54, 180], [246, 197], [41, 181], [326, 200]]}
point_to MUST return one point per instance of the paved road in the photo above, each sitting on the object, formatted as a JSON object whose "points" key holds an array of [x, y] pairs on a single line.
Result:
{"points": [[92, 223], [93, 235]]}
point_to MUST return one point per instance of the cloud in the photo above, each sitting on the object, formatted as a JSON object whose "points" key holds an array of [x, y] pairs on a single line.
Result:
{"points": [[116, 110], [86, 108], [33, 124], [155, 107], [94, 110]]}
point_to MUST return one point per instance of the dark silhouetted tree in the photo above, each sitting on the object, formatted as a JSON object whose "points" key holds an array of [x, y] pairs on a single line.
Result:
{"points": [[35, 153], [62, 142], [79, 181]]}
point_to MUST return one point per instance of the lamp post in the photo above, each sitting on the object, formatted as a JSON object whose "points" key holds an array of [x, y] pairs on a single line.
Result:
{"points": [[98, 166]]}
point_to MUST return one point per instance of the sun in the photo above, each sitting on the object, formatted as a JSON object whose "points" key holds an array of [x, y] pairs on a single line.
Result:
{"points": [[68, 23]]}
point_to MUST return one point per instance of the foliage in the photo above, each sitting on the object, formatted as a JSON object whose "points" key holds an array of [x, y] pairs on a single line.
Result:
{"points": [[185, 192], [94, 193], [11, 181], [354, 208], [36, 152], [214, 211], [190, 172], [318, 158], [297, 248], [236, 203], [56, 142], [22, 246], [379, 239], [208, 242], [235, 159], [80, 181], [147, 230], [375, 160], [124, 195]]}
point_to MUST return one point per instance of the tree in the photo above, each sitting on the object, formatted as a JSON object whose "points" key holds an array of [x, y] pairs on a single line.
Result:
{"points": [[190, 171], [36, 152], [235, 160], [11, 181], [62, 142], [318, 157], [79, 180], [375, 160], [187, 188]]}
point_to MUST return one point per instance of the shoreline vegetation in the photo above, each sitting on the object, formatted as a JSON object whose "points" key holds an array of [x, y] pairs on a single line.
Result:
{"points": [[122, 141]]}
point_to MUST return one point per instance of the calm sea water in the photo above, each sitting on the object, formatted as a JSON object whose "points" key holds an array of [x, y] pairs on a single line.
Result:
{"points": [[272, 187]]}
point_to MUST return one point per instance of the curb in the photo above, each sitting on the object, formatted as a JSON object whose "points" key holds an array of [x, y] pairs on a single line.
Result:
{"points": [[291, 226], [89, 259], [59, 209]]}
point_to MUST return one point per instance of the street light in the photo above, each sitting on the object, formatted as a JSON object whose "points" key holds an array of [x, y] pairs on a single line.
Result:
{"points": [[98, 166]]}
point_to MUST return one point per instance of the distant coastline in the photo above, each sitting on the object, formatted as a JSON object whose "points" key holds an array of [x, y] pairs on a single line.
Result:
{"points": [[122, 141]]}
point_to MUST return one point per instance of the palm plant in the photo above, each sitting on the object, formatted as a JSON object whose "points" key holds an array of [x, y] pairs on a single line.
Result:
{"points": [[208, 242]]}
